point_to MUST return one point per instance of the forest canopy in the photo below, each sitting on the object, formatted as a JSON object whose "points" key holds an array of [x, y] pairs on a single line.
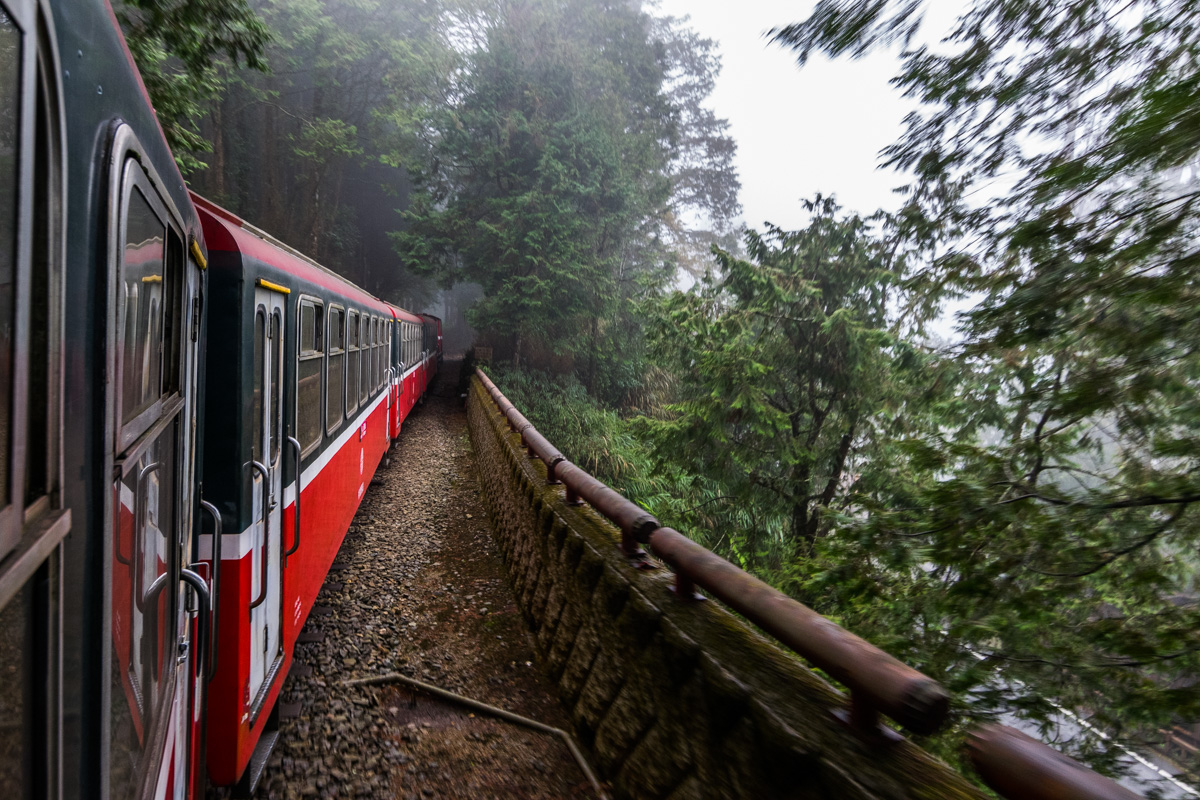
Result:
{"points": [[1012, 510]]}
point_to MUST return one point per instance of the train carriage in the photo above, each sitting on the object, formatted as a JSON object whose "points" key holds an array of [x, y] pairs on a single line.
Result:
{"points": [[299, 359], [126, 499], [101, 287]]}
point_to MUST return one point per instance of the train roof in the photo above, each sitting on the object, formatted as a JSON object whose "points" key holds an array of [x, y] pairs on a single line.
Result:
{"points": [[228, 232], [401, 314]]}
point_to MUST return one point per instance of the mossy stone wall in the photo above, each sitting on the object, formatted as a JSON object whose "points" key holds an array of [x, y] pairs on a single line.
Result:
{"points": [[672, 700]]}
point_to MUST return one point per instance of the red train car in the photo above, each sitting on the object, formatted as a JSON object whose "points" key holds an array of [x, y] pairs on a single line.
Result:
{"points": [[310, 379]]}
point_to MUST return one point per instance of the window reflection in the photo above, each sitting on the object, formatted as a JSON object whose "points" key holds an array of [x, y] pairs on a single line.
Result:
{"points": [[143, 288], [143, 608]]}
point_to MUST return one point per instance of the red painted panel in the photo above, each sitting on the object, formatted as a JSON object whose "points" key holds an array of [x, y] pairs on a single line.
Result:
{"points": [[328, 504]]}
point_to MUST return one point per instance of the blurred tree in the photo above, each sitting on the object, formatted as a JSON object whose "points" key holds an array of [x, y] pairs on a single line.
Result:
{"points": [[789, 381], [179, 47], [1045, 548]]}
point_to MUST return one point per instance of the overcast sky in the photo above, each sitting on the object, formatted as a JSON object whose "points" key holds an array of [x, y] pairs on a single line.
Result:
{"points": [[798, 132]]}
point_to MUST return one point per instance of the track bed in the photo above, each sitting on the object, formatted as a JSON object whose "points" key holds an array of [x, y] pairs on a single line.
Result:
{"points": [[418, 588]]}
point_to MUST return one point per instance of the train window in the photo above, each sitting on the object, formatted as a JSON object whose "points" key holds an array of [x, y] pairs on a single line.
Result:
{"points": [[351, 362], [387, 349], [374, 355], [309, 360], [256, 381], [365, 366], [335, 394], [274, 407], [143, 608], [379, 362], [145, 238], [31, 519]]}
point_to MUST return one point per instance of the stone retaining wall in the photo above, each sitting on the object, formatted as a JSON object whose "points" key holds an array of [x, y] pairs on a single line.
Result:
{"points": [[672, 700]]}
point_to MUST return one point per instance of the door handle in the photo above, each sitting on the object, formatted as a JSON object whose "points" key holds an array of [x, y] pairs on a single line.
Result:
{"points": [[214, 592], [266, 511], [295, 445], [204, 609]]}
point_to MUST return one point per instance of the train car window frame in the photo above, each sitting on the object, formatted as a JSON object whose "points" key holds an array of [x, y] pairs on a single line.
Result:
{"points": [[136, 435], [352, 351], [306, 355], [364, 362], [374, 356], [274, 402], [387, 353], [258, 349], [33, 521], [379, 370], [31, 408], [335, 417], [165, 316]]}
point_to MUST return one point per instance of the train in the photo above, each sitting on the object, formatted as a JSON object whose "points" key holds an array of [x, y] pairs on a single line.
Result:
{"points": [[190, 414]]}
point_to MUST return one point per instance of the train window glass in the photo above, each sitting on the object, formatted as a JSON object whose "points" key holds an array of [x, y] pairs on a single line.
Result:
{"points": [[172, 311], [308, 375], [143, 609], [275, 408], [256, 382], [378, 353], [145, 239], [387, 349], [38, 462], [10, 126], [351, 361], [334, 395], [369, 378], [364, 359]]}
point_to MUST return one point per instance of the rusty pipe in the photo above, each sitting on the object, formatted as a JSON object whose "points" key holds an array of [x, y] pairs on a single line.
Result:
{"points": [[1015, 765], [634, 521], [875, 678]]}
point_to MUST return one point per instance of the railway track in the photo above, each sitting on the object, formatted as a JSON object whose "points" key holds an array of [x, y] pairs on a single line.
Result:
{"points": [[418, 588]]}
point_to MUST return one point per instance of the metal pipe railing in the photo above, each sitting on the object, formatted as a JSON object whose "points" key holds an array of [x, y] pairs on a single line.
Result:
{"points": [[1012, 764], [1016, 765], [878, 682]]}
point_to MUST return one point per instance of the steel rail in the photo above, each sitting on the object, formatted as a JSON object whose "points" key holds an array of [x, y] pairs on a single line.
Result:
{"points": [[1011, 763]]}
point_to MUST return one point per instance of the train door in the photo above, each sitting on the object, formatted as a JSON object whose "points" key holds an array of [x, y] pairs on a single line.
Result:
{"points": [[151, 659], [266, 606]]}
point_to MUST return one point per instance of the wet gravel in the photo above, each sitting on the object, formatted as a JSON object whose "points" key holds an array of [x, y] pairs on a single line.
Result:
{"points": [[418, 588]]}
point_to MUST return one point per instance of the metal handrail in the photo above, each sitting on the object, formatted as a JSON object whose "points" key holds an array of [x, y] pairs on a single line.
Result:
{"points": [[204, 608], [878, 682], [1016, 765], [216, 583], [1011, 763]]}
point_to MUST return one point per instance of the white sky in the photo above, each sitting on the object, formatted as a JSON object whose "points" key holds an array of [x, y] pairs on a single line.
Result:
{"points": [[798, 132]]}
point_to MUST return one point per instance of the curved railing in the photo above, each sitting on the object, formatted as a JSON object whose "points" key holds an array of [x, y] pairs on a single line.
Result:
{"points": [[1011, 763]]}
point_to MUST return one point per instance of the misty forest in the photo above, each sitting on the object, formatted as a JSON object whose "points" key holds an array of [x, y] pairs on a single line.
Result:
{"points": [[967, 430]]}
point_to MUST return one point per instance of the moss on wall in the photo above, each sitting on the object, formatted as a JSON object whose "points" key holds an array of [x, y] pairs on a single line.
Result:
{"points": [[673, 700]]}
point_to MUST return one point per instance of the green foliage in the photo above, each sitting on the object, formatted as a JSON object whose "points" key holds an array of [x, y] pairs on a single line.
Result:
{"points": [[180, 47], [556, 171], [1047, 521], [790, 382]]}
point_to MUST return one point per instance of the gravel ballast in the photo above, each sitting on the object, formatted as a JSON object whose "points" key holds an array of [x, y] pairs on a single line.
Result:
{"points": [[418, 589]]}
